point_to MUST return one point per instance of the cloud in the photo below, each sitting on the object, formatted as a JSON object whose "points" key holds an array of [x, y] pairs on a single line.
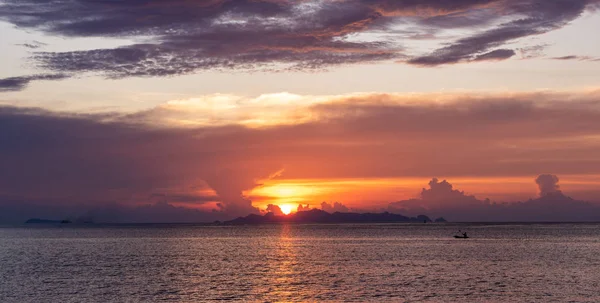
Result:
{"points": [[426, 7], [33, 44], [274, 209], [79, 162], [548, 185], [533, 51], [540, 16], [334, 207], [566, 58], [188, 36], [578, 58], [20, 83], [499, 54], [303, 208], [440, 199], [186, 197]]}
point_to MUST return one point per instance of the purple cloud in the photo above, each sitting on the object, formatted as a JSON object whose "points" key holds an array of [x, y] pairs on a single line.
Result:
{"points": [[20, 83], [540, 17], [578, 58], [548, 185], [187, 36], [33, 44], [275, 209], [441, 199], [334, 207], [499, 54]]}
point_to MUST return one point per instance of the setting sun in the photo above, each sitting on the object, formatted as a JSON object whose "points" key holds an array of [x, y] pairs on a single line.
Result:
{"points": [[287, 195], [286, 208]]}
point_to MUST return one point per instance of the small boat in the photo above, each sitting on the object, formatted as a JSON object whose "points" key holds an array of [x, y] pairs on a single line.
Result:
{"points": [[461, 237]]}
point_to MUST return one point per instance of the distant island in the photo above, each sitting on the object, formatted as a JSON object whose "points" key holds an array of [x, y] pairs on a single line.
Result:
{"points": [[77, 221], [45, 221], [320, 216]]}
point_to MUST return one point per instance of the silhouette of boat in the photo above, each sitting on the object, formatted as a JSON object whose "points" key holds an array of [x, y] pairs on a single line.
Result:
{"points": [[461, 237]]}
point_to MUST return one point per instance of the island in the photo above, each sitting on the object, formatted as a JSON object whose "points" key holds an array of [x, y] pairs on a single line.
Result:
{"points": [[46, 221], [320, 216]]}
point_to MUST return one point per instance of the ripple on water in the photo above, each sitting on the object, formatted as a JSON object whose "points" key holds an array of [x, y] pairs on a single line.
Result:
{"points": [[351, 263]]}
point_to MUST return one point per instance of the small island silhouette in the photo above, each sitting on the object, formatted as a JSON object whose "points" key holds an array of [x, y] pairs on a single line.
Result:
{"points": [[76, 221], [46, 221], [320, 216]]}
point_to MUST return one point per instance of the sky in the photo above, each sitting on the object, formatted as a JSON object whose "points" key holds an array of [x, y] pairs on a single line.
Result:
{"points": [[204, 110]]}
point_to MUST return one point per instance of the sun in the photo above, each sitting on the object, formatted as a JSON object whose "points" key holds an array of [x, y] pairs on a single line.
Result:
{"points": [[286, 209]]}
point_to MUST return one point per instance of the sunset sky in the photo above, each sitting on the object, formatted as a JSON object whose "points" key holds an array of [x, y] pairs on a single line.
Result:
{"points": [[203, 110]]}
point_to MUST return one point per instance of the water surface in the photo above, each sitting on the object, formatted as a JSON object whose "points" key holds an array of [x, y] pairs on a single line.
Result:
{"points": [[349, 263]]}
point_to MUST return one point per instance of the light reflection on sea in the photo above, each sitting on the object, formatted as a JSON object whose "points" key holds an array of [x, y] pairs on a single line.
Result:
{"points": [[303, 263]]}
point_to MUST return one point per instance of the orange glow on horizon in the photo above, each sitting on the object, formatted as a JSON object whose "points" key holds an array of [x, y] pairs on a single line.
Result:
{"points": [[281, 193], [378, 192], [313, 192]]}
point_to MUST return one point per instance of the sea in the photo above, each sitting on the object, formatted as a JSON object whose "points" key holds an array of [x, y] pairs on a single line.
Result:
{"points": [[301, 263]]}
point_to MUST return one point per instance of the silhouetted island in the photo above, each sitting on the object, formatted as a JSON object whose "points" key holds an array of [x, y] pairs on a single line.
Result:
{"points": [[44, 221], [320, 216]]}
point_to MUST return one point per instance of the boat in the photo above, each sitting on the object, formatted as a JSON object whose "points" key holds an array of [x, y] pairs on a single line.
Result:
{"points": [[461, 237]]}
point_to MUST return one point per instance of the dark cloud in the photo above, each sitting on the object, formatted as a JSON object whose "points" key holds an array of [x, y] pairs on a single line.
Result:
{"points": [[187, 36], [75, 160], [499, 54], [440, 199], [20, 83], [192, 35], [334, 207], [274, 209], [578, 58], [193, 199], [424, 8], [33, 44], [540, 17], [548, 185], [566, 58], [303, 208]]}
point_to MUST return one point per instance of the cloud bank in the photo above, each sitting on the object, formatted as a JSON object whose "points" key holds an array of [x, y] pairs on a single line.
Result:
{"points": [[129, 165], [551, 206], [181, 37]]}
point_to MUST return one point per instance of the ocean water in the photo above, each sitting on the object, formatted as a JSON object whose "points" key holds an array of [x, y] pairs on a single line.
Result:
{"points": [[301, 263]]}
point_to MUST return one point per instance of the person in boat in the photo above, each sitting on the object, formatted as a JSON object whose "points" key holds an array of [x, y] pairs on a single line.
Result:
{"points": [[462, 234]]}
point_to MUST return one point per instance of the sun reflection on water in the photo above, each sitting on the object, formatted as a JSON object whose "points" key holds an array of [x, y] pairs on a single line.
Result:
{"points": [[284, 267]]}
